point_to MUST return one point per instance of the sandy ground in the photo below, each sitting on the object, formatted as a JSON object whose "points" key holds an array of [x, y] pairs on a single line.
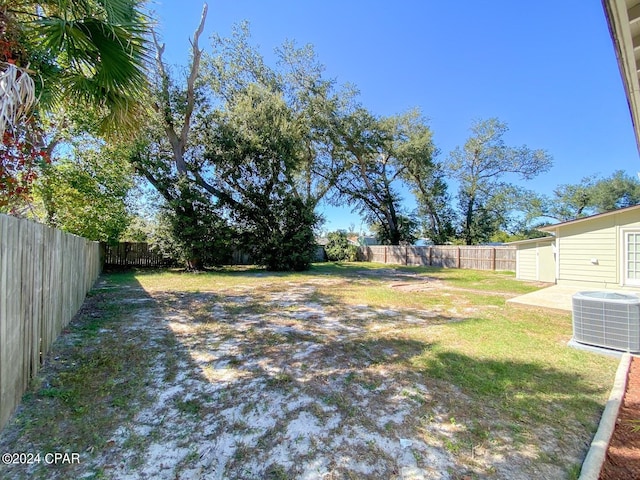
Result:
{"points": [[300, 391], [282, 404]]}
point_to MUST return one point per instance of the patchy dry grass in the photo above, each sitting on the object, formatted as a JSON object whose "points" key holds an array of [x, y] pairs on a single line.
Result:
{"points": [[346, 371]]}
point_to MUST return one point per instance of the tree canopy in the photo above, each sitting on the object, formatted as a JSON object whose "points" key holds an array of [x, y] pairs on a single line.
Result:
{"points": [[242, 154], [379, 155], [65, 55], [590, 196], [84, 51], [246, 141], [480, 167], [85, 192]]}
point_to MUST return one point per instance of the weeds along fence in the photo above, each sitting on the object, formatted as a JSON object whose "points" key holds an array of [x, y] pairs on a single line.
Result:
{"points": [[469, 257], [44, 277]]}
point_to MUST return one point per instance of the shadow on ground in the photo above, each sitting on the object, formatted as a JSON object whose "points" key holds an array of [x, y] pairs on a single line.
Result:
{"points": [[206, 385]]}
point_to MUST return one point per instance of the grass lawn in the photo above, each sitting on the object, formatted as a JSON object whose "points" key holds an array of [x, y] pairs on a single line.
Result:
{"points": [[346, 371]]}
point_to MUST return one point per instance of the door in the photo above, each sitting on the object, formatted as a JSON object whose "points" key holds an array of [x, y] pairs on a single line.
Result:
{"points": [[632, 257]]}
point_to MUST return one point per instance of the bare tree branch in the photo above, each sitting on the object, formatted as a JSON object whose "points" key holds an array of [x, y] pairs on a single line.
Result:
{"points": [[179, 142], [193, 75]]}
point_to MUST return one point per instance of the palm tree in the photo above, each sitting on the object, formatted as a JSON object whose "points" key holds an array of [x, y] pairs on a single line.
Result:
{"points": [[86, 52]]}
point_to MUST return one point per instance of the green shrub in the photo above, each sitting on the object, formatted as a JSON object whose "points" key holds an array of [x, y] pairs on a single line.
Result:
{"points": [[339, 249], [190, 230], [283, 240]]}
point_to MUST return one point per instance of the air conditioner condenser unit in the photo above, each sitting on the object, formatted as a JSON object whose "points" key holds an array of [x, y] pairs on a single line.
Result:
{"points": [[607, 319]]}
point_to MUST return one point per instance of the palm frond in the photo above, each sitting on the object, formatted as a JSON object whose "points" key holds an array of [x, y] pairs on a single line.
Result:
{"points": [[120, 11], [102, 54]]}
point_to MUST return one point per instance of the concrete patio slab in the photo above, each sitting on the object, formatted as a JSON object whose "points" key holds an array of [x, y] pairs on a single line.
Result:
{"points": [[557, 297]]}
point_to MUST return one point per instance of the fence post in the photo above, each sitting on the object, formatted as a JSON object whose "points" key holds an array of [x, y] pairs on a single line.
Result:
{"points": [[458, 259], [406, 255], [493, 258], [430, 256], [385, 254]]}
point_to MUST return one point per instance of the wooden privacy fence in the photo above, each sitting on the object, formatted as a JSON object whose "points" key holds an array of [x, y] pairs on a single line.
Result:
{"points": [[132, 254], [44, 277], [128, 254], [471, 257], [140, 254]]}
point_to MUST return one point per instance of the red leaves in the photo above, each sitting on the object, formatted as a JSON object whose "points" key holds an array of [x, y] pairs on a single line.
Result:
{"points": [[19, 160]]}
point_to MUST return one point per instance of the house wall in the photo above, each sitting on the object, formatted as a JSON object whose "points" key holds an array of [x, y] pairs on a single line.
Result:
{"points": [[590, 251]]}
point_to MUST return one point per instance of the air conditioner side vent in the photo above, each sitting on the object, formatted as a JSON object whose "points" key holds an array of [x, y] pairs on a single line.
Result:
{"points": [[607, 319]]}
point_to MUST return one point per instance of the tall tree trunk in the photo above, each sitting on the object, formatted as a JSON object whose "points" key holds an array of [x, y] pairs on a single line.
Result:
{"points": [[188, 224], [392, 218], [468, 233]]}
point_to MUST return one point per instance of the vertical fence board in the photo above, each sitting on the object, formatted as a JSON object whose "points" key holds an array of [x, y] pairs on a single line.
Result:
{"points": [[36, 299], [131, 254], [4, 256], [26, 297], [44, 277], [10, 330]]}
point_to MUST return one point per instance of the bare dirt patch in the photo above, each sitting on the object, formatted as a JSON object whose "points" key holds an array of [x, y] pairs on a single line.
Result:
{"points": [[437, 284]]}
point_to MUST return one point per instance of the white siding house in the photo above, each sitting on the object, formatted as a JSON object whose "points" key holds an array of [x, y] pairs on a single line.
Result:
{"points": [[601, 251]]}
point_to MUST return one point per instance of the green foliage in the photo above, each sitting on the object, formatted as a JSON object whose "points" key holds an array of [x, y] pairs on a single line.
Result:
{"points": [[81, 55], [245, 144], [407, 231], [85, 192], [590, 196], [198, 235], [484, 198], [425, 178], [480, 223], [338, 248], [255, 151], [139, 229], [435, 213], [617, 191], [286, 243], [379, 155], [235, 68], [524, 234]]}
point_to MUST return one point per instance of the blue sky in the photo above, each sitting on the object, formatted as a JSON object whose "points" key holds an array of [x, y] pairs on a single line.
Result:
{"points": [[546, 68]]}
